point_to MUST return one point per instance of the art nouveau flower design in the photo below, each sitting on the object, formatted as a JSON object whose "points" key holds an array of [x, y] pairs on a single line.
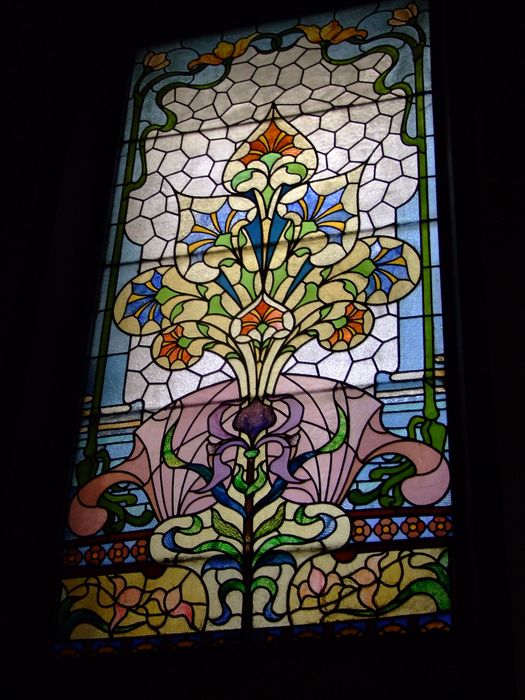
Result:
{"points": [[131, 604], [223, 51], [331, 33], [404, 15], [259, 272], [373, 583]]}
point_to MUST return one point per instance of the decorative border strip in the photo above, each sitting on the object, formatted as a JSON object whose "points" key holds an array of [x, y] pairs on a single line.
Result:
{"points": [[408, 624], [364, 529]]}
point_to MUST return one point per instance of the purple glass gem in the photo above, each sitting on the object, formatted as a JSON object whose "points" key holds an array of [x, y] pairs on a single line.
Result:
{"points": [[254, 418]]}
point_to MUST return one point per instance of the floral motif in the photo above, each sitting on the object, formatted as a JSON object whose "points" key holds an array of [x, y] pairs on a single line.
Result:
{"points": [[331, 33], [258, 273], [388, 267], [162, 604], [95, 555], [224, 51], [321, 213], [176, 348], [440, 526], [264, 320], [131, 604], [156, 61], [125, 599], [324, 588], [361, 530], [211, 230], [348, 330], [371, 584], [404, 15], [412, 527], [273, 141], [386, 528], [72, 557], [275, 154], [142, 302], [242, 474], [139, 551], [118, 552]]}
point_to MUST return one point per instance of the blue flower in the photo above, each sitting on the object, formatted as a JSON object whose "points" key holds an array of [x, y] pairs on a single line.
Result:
{"points": [[324, 212], [208, 227], [143, 302], [389, 267]]}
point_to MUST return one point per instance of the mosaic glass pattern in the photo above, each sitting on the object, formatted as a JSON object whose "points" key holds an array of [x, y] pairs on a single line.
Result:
{"points": [[264, 450]]}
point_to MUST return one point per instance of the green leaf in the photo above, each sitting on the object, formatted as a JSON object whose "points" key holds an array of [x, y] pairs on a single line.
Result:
{"points": [[194, 528], [301, 252], [176, 311], [227, 262], [215, 306], [168, 455], [288, 233], [350, 287], [277, 541], [218, 546], [247, 281], [258, 483], [224, 528], [301, 518], [365, 268], [340, 435], [265, 582], [243, 240], [224, 239], [243, 176], [309, 295], [202, 289], [326, 310], [203, 328], [308, 227], [270, 159], [165, 294], [271, 524], [297, 169]]}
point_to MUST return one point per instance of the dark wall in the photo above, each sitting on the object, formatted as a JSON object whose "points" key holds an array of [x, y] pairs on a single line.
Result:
{"points": [[68, 65]]}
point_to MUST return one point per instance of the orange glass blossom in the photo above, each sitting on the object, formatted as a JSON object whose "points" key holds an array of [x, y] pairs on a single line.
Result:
{"points": [[179, 346], [333, 32], [404, 15], [156, 61], [273, 140], [224, 51]]}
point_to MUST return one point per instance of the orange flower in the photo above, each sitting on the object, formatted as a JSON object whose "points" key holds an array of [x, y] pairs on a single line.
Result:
{"points": [[174, 346], [156, 61], [262, 316], [386, 528], [353, 325], [404, 15], [274, 140], [331, 33], [224, 51]]}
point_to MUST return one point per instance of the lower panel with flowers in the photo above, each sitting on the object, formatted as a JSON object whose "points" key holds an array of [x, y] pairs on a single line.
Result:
{"points": [[333, 595]]}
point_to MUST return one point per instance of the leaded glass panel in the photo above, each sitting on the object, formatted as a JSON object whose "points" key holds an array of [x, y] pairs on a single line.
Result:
{"points": [[264, 449]]}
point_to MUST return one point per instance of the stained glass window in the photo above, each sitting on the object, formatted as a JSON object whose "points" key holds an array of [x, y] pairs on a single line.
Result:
{"points": [[263, 453]]}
